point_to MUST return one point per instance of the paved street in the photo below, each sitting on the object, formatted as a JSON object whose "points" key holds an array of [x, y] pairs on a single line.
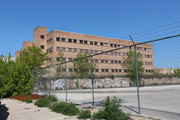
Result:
{"points": [[158, 101]]}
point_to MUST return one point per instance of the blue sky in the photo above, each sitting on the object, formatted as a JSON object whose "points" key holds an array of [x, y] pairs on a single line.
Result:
{"points": [[108, 18]]}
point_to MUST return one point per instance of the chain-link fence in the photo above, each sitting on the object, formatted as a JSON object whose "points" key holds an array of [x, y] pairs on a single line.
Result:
{"points": [[147, 81]]}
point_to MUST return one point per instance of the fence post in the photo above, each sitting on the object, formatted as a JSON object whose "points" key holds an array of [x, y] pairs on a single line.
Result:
{"points": [[37, 80], [49, 79], [137, 77], [66, 77], [92, 79]]}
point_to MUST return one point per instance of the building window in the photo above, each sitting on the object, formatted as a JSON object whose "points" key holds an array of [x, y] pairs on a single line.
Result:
{"points": [[91, 42], [95, 43], [115, 53], [69, 40], [75, 50], [70, 70], [118, 46], [81, 50], [42, 46], [102, 70], [75, 69], [112, 70], [96, 51], [111, 53], [119, 53], [63, 39], [115, 61], [112, 61], [116, 70], [106, 61], [115, 45], [102, 61], [119, 61], [124, 54], [63, 49], [58, 58], [107, 70], [70, 49], [86, 50], [57, 48], [85, 42], [119, 70], [105, 44], [96, 60], [58, 39], [74, 41], [42, 36], [144, 49], [70, 59], [81, 41], [125, 70], [101, 44], [97, 70], [91, 51]]}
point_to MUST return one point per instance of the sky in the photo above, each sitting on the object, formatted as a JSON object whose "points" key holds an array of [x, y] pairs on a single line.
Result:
{"points": [[107, 18]]}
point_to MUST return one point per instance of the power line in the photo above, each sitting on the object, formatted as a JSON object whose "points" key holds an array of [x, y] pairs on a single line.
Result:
{"points": [[151, 29], [157, 32], [159, 35]]}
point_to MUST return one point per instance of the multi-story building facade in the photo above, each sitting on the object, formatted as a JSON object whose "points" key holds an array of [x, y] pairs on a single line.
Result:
{"points": [[73, 43]]}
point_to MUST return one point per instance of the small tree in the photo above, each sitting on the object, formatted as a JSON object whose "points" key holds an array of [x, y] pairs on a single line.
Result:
{"points": [[177, 72], [155, 72], [16, 78], [59, 59], [130, 64], [34, 57], [83, 66]]}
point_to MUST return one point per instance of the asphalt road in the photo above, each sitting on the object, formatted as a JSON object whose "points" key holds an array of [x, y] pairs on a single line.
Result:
{"points": [[159, 101]]}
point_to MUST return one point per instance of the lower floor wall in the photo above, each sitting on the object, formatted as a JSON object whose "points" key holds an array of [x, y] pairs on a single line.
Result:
{"points": [[103, 83]]}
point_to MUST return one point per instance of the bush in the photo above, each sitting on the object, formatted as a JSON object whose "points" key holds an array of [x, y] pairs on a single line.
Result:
{"points": [[65, 108], [111, 110], [29, 100], [53, 98], [99, 115], [43, 103], [85, 114]]}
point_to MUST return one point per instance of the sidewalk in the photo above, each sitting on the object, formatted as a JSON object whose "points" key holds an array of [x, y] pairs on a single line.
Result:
{"points": [[11, 109]]}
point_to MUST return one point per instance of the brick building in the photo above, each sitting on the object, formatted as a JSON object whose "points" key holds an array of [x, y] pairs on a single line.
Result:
{"points": [[73, 43]]}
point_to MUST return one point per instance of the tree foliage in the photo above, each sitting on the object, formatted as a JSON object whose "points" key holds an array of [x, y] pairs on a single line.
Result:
{"points": [[83, 66], [59, 69], [155, 71], [177, 72], [33, 57], [16, 77], [130, 64]]}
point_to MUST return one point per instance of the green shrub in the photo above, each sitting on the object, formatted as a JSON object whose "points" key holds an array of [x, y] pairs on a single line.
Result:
{"points": [[53, 98], [111, 110], [99, 115], [77, 84], [65, 108], [43, 103], [85, 114], [29, 100]]}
